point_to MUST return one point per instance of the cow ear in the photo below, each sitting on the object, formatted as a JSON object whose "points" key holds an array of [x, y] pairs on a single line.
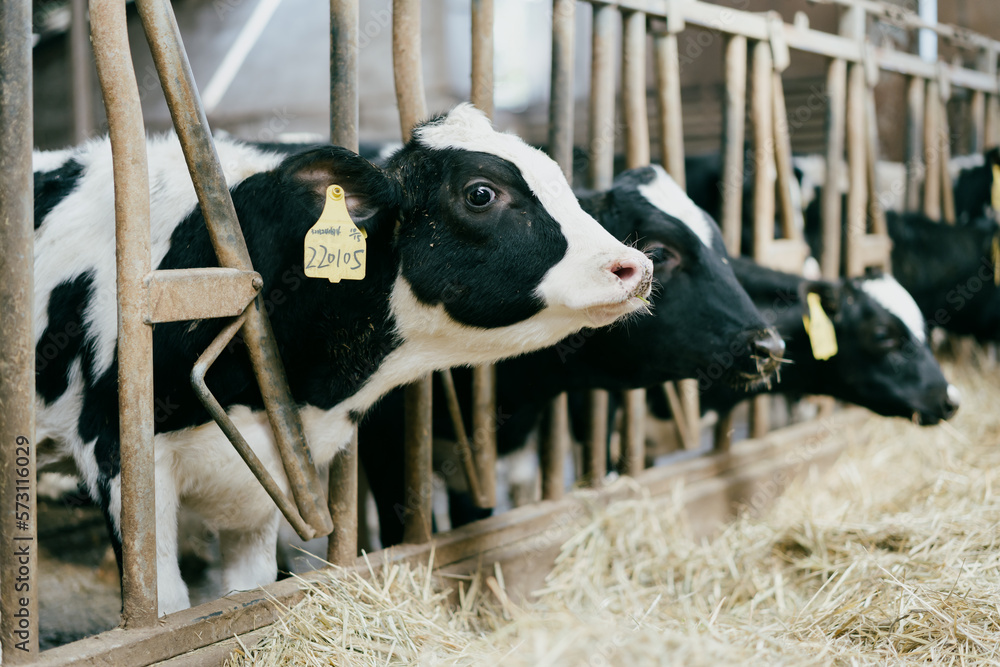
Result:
{"points": [[992, 156], [369, 192], [829, 295]]}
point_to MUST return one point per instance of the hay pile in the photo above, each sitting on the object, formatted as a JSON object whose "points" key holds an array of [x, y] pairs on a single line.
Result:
{"points": [[892, 555]]}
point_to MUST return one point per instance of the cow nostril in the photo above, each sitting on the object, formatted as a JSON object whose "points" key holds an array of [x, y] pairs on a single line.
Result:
{"points": [[769, 346], [625, 271]]}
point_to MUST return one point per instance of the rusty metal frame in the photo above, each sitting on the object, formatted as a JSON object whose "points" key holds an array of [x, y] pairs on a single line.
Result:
{"points": [[19, 560]]}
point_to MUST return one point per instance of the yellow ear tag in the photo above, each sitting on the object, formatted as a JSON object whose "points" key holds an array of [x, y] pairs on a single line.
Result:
{"points": [[996, 261], [335, 247], [995, 190], [822, 336]]}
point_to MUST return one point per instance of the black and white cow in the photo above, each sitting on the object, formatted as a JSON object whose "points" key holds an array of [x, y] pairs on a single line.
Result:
{"points": [[974, 188], [476, 250], [700, 315], [950, 270], [883, 360]]}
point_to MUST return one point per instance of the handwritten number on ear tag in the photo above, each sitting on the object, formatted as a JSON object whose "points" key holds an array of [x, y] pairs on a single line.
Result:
{"points": [[822, 336], [335, 248]]}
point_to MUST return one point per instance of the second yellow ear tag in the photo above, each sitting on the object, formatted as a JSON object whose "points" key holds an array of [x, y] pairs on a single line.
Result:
{"points": [[822, 336], [334, 247]]}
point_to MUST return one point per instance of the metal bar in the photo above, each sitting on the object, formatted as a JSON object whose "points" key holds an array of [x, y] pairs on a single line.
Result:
{"points": [[342, 547], [836, 126], [195, 294], [484, 434], [992, 120], [482, 55], [857, 168], [761, 116], [79, 62], [668, 84], [344, 73], [977, 111], [944, 143], [455, 412], [561, 104], [914, 141], [480, 463], [343, 502], [932, 147], [406, 64], [677, 410], [419, 461], [875, 212], [227, 238], [792, 223], [602, 99], [595, 463], [636, 155], [554, 449], [18, 571], [733, 138], [135, 339], [218, 413], [634, 433], [634, 90]]}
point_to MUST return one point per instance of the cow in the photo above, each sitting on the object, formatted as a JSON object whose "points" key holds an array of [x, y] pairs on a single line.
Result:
{"points": [[700, 317], [883, 361], [975, 187], [476, 250]]}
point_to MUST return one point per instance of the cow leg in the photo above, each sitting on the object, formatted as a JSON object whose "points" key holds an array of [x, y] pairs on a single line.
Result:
{"points": [[173, 593], [249, 556]]}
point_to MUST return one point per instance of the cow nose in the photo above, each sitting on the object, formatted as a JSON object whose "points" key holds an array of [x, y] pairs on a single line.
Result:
{"points": [[770, 346], [635, 274], [952, 401]]}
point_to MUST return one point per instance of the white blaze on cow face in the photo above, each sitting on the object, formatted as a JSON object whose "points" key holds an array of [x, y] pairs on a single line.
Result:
{"points": [[664, 193], [585, 280], [894, 298]]}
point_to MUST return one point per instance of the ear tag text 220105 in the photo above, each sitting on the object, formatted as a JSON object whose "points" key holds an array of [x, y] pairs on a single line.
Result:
{"points": [[822, 336], [334, 247]]}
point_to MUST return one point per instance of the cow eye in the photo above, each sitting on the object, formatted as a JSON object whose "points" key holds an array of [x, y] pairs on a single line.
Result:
{"points": [[480, 196], [663, 257], [884, 338]]}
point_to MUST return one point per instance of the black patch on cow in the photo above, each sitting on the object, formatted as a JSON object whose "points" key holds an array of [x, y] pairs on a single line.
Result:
{"points": [[483, 265], [60, 342], [51, 187]]}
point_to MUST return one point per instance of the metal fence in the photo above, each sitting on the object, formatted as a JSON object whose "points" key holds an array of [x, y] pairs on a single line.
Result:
{"points": [[758, 45]]}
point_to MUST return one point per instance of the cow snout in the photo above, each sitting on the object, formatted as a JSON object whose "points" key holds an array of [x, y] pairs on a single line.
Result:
{"points": [[635, 274], [771, 346], [762, 351]]}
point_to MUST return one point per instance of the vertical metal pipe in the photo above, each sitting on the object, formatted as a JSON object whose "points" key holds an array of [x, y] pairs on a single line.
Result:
{"points": [[342, 546], [79, 49], [484, 401], [602, 99], [914, 142], [836, 128], [761, 116], [135, 338], [482, 55], [875, 212], [857, 167], [561, 102], [977, 111], [555, 440], [733, 138], [18, 524], [932, 151], [192, 129], [484, 433], [556, 445], [944, 143], [636, 155], [418, 465], [595, 465], [344, 73], [792, 223], [634, 90], [342, 499], [668, 85], [992, 120], [407, 64]]}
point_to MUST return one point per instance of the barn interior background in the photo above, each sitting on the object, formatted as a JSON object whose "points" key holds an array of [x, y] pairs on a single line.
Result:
{"points": [[263, 71]]}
